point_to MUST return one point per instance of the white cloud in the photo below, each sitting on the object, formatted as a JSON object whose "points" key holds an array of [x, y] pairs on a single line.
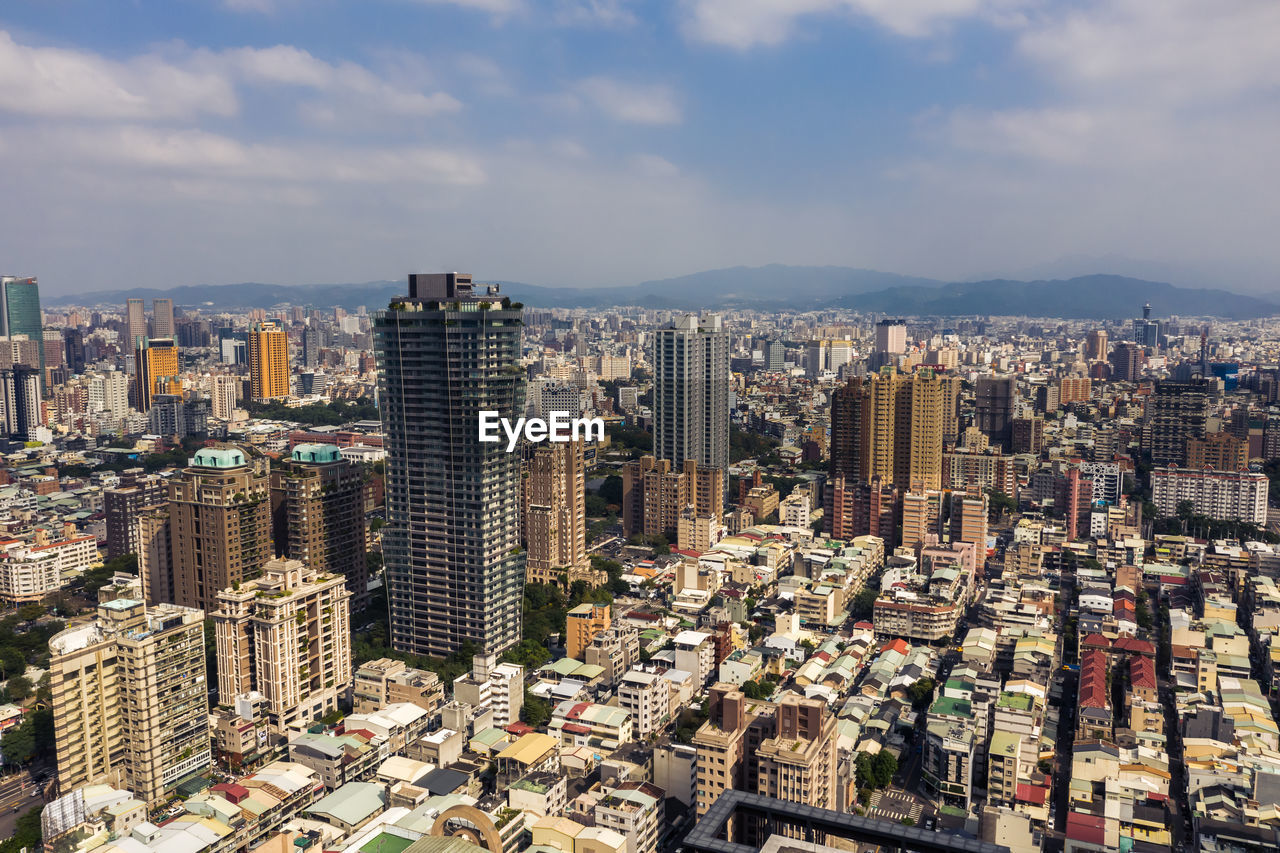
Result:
{"points": [[1146, 138], [196, 154], [1136, 84], [181, 84], [1168, 51], [498, 8], [262, 7], [57, 82], [484, 74], [569, 148], [653, 166], [357, 88], [609, 14], [743, 24], [628, 102]]}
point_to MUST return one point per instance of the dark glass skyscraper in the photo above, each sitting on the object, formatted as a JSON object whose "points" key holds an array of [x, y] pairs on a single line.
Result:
{"points": [[19, 402], [20, 310], [454, 570]]}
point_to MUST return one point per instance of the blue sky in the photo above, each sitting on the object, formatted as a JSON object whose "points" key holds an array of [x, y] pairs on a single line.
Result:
{"points": [[579, 142]]}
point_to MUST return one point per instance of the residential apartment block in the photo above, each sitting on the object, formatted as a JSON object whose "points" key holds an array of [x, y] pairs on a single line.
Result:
{"points": [[286, 635], [130, 703]]}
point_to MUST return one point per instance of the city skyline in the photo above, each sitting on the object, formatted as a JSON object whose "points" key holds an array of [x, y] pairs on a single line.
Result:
{"points": [[862, 431], [883, 571], [214, 141]]}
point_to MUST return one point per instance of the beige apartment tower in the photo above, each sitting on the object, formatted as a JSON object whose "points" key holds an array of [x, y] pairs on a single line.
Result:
{"points": [[921, 411], [582, 625], [903, 421], [555, 517], [162, 318], [286, 635], [135, 318], [130, 704], [225, 394], [317, 515], [219, 524], [921, 518], [969, 520], [268, 355], [1219, 451], [798, 764], [654, 494], [727, 743]]}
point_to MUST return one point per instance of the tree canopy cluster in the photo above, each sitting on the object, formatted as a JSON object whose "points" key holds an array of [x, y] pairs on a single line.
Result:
{"points": [[32, 737], [630, 438], [333, 413], [752, 445], [875, 771]]}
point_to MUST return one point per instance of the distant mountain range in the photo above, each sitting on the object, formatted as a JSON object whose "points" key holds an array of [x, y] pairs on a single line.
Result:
{"points": [[770, 287]]}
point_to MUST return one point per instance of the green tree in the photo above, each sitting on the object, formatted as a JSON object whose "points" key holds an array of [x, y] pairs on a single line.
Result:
{"points": [[33, 736], [611, 490], [535, 711], [747, 445], [921, 692], [864, 603], [317, 414], [630, 438], [528, 653], [863, 771], [19, 688], [784, 485], [12, 662], [659, 544], [883, 766], [30, 612], [96, 578], [211, 654], [18, 744], [1143, 611], [998, 503]]}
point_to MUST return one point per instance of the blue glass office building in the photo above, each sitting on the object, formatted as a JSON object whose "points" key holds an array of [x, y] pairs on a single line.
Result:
{"points": [[20, 310]]}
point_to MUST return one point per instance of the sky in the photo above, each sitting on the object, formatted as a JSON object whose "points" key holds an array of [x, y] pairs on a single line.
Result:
{"points": [[158, 143]]}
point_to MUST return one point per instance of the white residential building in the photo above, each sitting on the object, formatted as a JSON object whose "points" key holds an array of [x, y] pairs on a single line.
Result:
{"points": [[647, 697], [795, 509], [492, 686], [30, 572], [109, 392], [1107, 480], [1223, 495], [632, 810], [695, 653], [225, 393], [287, 635]]}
